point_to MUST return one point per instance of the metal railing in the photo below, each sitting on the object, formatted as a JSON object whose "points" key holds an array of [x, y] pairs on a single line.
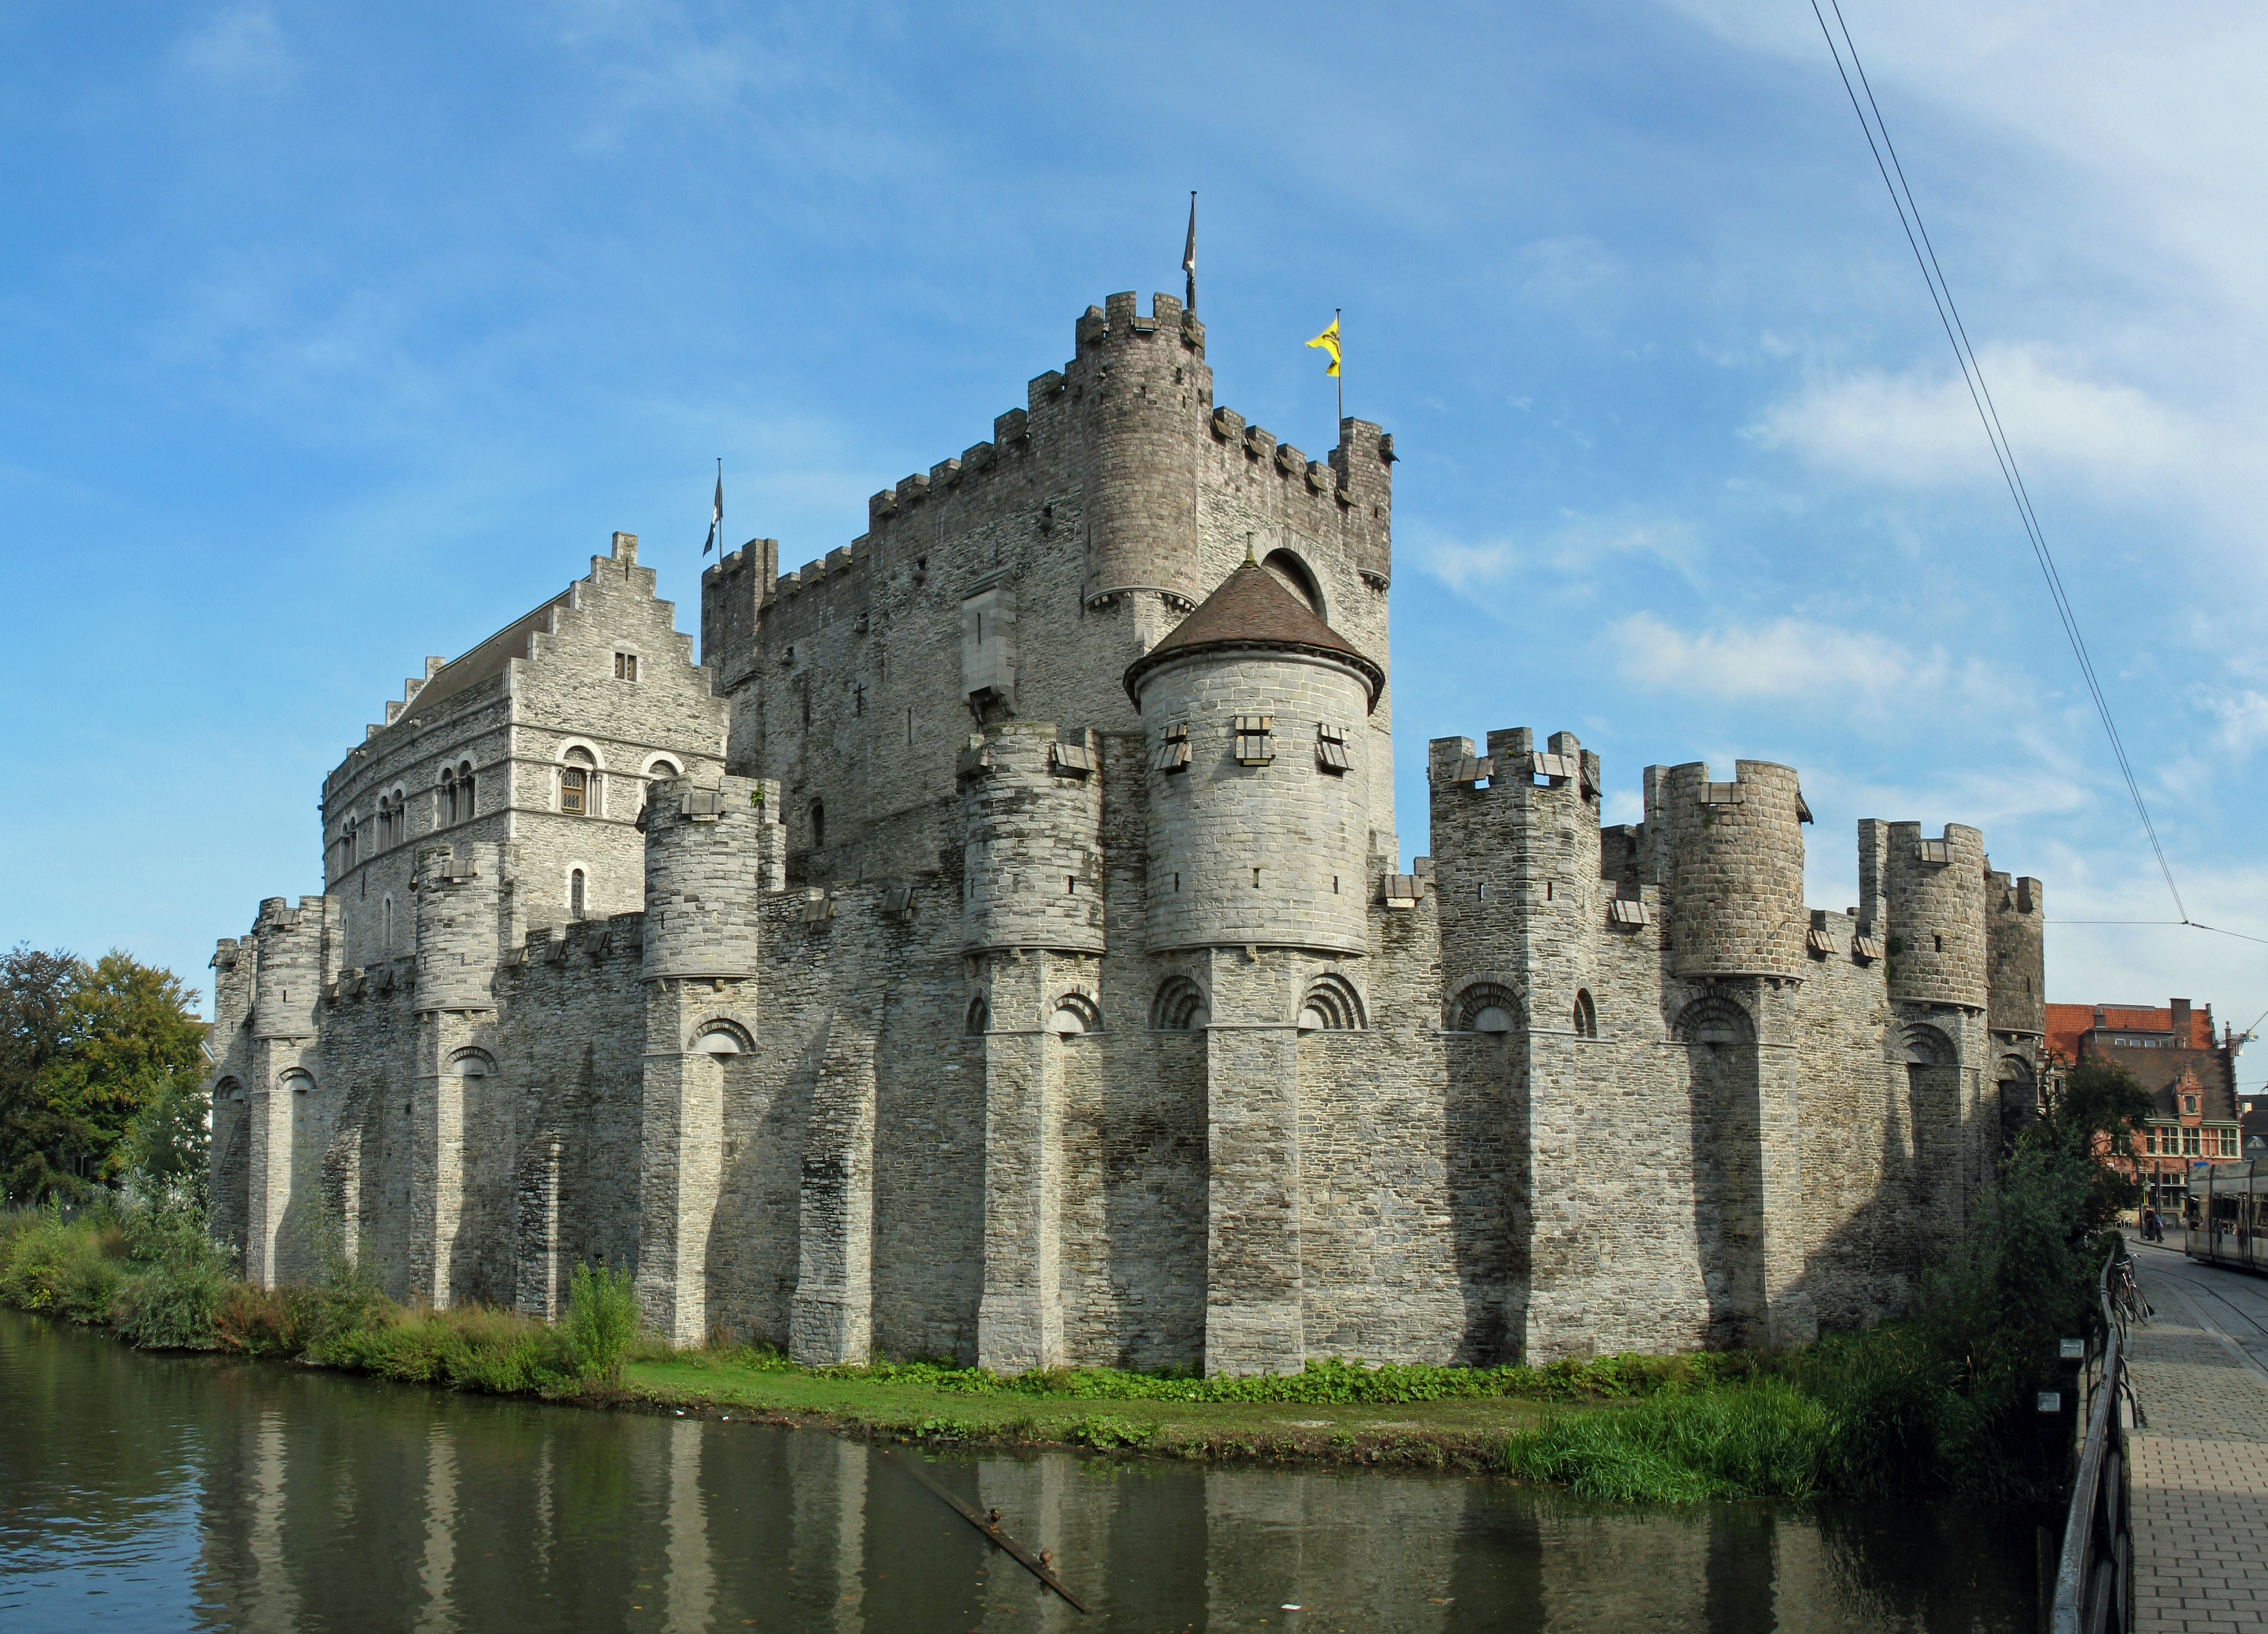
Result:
{"points": [[2094, 1580]]}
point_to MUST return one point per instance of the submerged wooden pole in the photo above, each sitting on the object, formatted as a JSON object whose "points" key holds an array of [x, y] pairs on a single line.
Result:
{"points": [[993, 1535]]}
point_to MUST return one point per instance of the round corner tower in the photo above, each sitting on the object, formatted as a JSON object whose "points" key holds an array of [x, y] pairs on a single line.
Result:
{"points": [[704, 865], [1935, 889], [1140, 386], [1736, 871], [1253, 715], [1031, 801], [460, 930]]}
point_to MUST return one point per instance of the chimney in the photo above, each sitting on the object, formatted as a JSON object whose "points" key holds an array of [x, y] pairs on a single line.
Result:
{"points": [[2182, 1032]]}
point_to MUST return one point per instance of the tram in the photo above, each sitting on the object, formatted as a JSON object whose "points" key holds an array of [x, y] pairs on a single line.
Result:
{"points": [[2225, 1217]]}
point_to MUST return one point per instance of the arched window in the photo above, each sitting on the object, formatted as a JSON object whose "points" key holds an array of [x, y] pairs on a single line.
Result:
{"points": [[818, 826], [1330, 1005], [384, 822], [578, 780], [979, 1019], [464, 791], [720, 1035], [1586, 1015], [1075, 1012], [448, 801], [575, 893], [1180, 1006], [386, 927], [1288, 571], [1486, 1007], [347, 845]]}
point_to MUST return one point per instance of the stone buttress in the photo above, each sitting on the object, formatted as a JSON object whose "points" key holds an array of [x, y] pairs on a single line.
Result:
{"points": [[704, 882]]}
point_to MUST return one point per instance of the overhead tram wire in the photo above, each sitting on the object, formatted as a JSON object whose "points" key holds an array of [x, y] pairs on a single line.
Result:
{"points": [[1972, 375]]}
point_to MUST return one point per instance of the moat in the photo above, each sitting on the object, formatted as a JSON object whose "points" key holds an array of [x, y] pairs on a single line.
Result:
{"points": [[185, 1492]]}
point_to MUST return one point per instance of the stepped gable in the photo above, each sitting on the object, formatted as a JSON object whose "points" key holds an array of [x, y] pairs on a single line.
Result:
{"points": [[1252, 610]]}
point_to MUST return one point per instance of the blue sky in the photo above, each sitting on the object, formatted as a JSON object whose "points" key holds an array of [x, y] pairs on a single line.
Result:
{"points": [[332, 336]]}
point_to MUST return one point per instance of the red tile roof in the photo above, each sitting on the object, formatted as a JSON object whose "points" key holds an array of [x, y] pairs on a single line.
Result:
{"points": [[2066, 1022]]}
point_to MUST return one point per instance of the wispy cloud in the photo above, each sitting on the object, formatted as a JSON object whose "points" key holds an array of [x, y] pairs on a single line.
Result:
{"points": [[242, 48], [1572, 559], [1921, 428]]}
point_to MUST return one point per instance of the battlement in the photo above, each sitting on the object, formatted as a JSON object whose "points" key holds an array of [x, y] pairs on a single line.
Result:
{"points": [[1119, 322], [2013, 894], [1513, 762]]}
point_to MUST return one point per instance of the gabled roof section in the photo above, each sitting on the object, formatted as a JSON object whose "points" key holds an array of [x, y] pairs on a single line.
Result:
{"points": [[487, 659], [1253, 611]]}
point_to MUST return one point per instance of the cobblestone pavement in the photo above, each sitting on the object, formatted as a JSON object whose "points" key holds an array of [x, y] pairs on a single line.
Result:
{"points": [[2198, 1473]]}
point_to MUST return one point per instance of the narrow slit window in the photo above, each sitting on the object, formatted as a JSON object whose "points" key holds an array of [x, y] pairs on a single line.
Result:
{"points": [[575, 896]]}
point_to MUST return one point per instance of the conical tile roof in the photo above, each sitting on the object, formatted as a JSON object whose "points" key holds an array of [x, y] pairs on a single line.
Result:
{"points": [[1252, 610]]}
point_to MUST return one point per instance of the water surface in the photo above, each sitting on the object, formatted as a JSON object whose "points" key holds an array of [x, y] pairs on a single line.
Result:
{"points": [[140, 1491]]}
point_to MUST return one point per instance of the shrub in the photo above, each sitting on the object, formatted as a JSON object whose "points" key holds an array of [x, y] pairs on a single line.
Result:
{"points": [[1761, 1439], [602, 1319]]}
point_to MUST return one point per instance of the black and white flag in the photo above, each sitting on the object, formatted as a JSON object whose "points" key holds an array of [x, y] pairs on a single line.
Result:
{"points": [[716, 511]]}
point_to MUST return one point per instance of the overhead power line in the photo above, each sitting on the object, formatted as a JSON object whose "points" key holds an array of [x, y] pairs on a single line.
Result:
{"points": [[1972, 375]]}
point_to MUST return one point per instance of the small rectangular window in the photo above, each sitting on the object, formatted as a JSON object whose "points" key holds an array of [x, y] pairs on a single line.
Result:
{"points": [[1254, 740], [1174, 752], [625, 666], [1937, 850], [1331, 748]]}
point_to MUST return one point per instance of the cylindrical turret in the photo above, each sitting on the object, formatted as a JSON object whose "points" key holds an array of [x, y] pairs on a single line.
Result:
{"points": [[1140, 384], [704, 875], [1259, 828], [1935, 891], [1736, 869], [2015, 955], [1031, 800], [289, 976], [460, 935]]}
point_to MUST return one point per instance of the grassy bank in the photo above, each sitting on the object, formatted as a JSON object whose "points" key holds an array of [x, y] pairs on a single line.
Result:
{"points": [[1938, 1403]]}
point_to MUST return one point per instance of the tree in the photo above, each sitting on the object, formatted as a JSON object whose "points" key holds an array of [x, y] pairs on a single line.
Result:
{"points": [[100, 1069], [2098, 1110], [35, 1020]]}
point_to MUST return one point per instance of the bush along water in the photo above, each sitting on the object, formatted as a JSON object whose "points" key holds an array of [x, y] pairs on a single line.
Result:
{"points": [[140, 1263]]}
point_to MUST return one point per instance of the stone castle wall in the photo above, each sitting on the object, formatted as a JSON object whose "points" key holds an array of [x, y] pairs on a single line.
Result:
{"points": [[922, 1003]]}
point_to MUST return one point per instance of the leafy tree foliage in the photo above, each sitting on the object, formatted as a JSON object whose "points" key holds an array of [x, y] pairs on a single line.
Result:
{"points": [[99, 1071], [2099, 1109]]}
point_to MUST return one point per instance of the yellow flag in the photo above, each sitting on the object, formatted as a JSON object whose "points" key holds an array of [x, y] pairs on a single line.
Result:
{"points": [[1329, 340]]}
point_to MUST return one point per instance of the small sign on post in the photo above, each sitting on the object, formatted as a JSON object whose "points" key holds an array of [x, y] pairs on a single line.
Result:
{"points": [[2071, 1350], [2050, 1400]]}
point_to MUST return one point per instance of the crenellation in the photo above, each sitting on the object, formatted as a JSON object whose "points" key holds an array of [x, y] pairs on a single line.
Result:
{"points": [[997, 945]]}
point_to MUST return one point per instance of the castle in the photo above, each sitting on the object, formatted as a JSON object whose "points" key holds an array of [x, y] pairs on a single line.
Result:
{"points": [[994, 945]]}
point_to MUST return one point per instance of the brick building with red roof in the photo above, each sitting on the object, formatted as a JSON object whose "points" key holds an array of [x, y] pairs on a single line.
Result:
{"points": [[2191, 1077]]}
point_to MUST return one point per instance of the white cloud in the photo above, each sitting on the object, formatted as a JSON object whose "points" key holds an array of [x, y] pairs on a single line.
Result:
{"points": [[1785, 660], [242, 48], [1570, 559], [2243, 717], [1922, 429]]}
